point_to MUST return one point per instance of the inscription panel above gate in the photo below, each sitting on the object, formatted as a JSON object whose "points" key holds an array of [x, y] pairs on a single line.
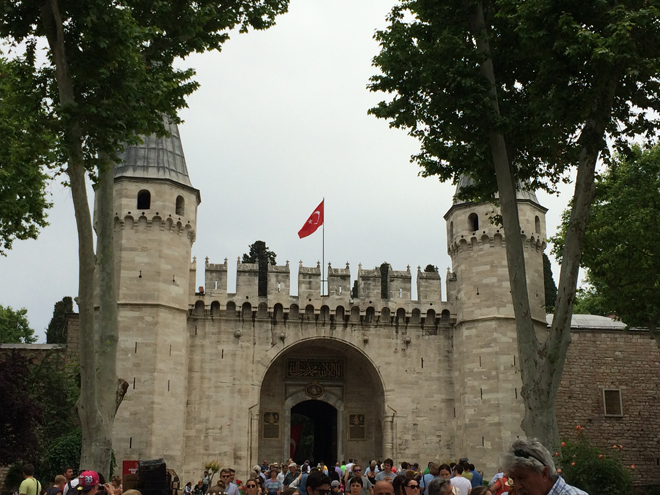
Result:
{"points": [[315, 368]]}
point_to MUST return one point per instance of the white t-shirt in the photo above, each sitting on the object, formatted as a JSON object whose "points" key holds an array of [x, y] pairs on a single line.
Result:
{"points": [[463, 484]]}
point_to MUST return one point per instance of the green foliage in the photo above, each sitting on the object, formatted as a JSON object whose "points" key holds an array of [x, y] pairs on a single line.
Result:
{"points": [[38, 404], [552, 61], [14, 326], [587, 302], [14, 478], [622, 241], [355, 290], [431, 269], [593, 470], [385, 280], [120, 58], [56, 332], [23, 162], [550, 286], [260, 254], [63, 451]]}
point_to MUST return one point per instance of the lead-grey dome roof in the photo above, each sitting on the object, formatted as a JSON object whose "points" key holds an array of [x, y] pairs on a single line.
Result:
{"points": [[466, 180], [156, 158]]}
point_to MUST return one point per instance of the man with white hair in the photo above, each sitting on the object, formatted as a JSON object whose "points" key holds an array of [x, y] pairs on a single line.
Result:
{"points": [[530, 466]]}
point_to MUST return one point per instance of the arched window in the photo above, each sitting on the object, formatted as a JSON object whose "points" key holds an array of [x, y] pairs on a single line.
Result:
{"points": [[180, 205], [473, 222], [537, 224], [143, 200]]}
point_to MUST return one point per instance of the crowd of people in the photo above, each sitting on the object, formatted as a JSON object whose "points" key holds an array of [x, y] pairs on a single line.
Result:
{"points": [[527, 469]]}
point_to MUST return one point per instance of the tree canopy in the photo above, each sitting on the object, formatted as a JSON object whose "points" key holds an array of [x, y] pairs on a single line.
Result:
{"points": [[622, 243], [56, 332], [108, 78], [260, 254], [513, 94], [15, 327]]}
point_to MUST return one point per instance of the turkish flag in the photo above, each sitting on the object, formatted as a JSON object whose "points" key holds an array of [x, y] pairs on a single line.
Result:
{"points": [[314, 221], [295, 439]]}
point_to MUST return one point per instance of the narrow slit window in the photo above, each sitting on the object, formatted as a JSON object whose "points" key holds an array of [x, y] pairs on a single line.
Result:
{"points": [[473, 222]]}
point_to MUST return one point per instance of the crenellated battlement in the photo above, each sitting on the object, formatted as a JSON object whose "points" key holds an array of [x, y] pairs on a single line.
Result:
{"points": [[144, 223], [215, 300], [491, 238]]}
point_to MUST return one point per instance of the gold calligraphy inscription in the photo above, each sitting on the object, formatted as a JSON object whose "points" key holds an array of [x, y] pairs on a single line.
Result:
{"points": [[315, 368]]}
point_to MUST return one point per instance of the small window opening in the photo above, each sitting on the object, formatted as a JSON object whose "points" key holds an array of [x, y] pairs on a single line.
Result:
{"points": [[473, 222], [216, 284], [143, 200], [340, 289], [612, 402], [180, 205], [278, 287], [451, 231], [400, 292], [537, 225]]}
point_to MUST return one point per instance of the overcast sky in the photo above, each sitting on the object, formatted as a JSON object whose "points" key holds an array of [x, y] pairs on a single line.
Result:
{"points": [[280, 122]]}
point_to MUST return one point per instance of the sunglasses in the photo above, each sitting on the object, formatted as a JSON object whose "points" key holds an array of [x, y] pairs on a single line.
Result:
{"points": [[526, 455], [357, 470], [251, 486], [413, 487]]}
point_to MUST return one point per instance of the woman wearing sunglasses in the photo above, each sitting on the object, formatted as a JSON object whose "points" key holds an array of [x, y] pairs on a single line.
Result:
{"points": [[410, 487]]}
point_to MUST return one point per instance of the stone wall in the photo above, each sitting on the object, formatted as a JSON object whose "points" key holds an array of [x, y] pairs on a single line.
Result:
{"points": [[625, 360]]}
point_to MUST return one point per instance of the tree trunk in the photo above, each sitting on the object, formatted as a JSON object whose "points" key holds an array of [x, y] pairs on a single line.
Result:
{"points": [[96, 426], [107, 332], [540, 419]]}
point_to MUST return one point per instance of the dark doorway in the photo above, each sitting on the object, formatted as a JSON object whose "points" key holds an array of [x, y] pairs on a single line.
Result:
{"points": [[318, 438]]}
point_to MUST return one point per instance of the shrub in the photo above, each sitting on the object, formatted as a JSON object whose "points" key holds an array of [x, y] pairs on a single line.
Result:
{"points": [[594, 471]]}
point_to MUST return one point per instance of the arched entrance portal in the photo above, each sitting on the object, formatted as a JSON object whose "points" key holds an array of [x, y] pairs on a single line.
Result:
{"points": [[313, 432], [337, 388]]}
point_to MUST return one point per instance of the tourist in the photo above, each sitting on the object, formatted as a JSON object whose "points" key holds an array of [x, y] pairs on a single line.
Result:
{"points": [[317, 483], [58, 485], [500, 486], [497, 476], [272, 485], [187, 490], [291, 475], [226, 476], [410, 487], [335, 487], [29, 485], [252, 487], [386, 474], [367, 487], [371, 472], [220, 488], [116, 484], [384, 488], [532, 469], [355, 485], [440, 486], [198, 490], [459, 481], [397, 484], [90, 482], [264, 466], [206, 481], [67, 472], [339, 471], [477, 479], [434, 472], [260, 481], [480, 490]]}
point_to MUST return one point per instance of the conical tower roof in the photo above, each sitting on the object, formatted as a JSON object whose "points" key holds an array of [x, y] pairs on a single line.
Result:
{"points": [[156, 158], [466, 180]]}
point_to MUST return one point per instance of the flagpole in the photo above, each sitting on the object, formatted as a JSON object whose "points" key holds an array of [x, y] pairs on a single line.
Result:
{"points": [[323, 253]]}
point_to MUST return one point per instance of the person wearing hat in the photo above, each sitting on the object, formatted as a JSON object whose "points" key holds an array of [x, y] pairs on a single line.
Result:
{"points": [[291, 475], [335, 487], [89, 483]]}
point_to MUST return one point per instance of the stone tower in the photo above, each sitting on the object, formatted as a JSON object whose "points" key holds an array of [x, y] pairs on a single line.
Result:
{"points": [[489, 408], [155, 223]]}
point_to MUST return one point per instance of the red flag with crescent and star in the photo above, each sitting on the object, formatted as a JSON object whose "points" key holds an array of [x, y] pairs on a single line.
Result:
{"points": [[314, 221]]}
